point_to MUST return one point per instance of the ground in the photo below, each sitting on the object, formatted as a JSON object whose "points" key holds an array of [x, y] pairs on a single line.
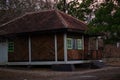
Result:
{"points": [[106, 73]]}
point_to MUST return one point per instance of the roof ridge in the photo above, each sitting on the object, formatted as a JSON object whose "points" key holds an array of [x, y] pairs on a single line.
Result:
{"points": [[61, 18], [74, 18], [13, 20]]}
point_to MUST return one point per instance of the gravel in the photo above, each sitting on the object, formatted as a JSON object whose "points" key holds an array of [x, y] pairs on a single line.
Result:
{"points": [[106, 73]]}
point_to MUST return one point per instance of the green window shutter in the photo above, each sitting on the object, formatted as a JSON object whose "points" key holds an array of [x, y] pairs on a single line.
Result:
{"points": [[10, 46]]}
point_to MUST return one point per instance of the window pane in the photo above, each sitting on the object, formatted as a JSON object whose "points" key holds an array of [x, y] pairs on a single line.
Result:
{"points": [[69, 43], [79, 44]]}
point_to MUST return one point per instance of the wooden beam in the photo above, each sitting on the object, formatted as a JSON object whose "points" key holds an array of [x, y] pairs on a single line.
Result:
{"points": [[29, 46], [55, 37], [83, 45], [97, 43], [65, 48], [51, 62]]}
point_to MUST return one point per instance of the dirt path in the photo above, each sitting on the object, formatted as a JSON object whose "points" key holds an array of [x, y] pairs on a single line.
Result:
{"points": [[107, 73]]}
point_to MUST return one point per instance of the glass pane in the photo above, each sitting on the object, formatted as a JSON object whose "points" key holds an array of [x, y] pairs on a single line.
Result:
{"points": [[69, 43], [79, 43]]}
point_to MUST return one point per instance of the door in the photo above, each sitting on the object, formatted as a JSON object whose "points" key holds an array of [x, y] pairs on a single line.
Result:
{"points": [[3, 52]]}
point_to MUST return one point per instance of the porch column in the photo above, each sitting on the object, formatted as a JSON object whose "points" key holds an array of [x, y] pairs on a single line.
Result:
{"points": [[97, 48], [83, 42], [29, 46], [55, 37], [97, 43], [65, 48]]}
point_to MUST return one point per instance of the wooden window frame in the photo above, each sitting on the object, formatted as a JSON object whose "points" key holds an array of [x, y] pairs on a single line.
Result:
{"points": [[69, 43], [76, 44]]}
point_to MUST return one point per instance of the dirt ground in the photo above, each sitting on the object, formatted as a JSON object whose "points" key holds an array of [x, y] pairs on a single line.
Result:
{"points": [[106, 73]]}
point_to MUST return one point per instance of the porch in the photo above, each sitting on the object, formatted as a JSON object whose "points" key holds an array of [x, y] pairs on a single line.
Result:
{"points": [[70, 56]]}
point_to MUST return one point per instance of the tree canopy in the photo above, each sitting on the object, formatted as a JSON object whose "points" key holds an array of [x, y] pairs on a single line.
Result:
{"points": [[107, 21], [101, 17], [10, 9], [80, 10]]}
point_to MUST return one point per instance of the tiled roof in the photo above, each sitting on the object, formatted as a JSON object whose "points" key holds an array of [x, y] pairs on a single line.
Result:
{"points": [[42, 21]]}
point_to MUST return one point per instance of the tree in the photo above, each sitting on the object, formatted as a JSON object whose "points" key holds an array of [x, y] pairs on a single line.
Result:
{"points": [[80, 10], [62, 5], [107, 21], [101, 17], [10, 9]]}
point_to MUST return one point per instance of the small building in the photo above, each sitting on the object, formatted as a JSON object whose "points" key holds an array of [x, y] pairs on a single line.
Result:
{"points": [[46, 38]]}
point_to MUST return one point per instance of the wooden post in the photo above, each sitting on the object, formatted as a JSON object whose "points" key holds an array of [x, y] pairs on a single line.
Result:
{"points": [[96, 43], [29, 44], [83, 47], [65, 48], [83, 43], [55, 37], [97, 48]]}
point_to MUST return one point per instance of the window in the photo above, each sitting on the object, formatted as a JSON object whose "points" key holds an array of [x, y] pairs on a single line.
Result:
{"points": [[79, 44], [10, 46], [74, 43], [69, 43]]}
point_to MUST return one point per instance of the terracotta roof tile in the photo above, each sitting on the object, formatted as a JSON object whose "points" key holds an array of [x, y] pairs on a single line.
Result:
{"points": [[40, 21]]}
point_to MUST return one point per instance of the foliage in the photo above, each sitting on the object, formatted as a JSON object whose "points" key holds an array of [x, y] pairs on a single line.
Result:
{"points": [[13, 8], [10, 9], [61, 5], [77, 9], [107, 21]]}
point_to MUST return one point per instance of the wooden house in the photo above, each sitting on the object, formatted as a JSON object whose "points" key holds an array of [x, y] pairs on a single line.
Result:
{"points": [[46, 38]]}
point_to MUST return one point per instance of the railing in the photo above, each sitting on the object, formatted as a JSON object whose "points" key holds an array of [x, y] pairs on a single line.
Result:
{"points": [[81, 55], [95, 54]]}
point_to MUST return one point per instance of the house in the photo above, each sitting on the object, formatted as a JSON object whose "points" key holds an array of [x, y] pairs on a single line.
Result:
{"points": [[46, 38]]}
